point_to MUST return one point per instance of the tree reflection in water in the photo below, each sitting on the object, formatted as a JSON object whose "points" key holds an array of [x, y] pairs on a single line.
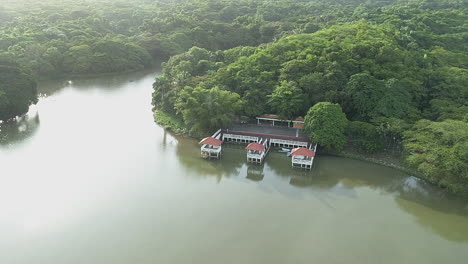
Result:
{"points": [[18, 130], [188, 153], [331, 177], [255, 172]]}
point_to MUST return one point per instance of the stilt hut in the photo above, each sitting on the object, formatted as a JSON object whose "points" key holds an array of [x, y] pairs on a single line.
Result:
{"points": [[211, 147], [302, 158], [255, 152]]}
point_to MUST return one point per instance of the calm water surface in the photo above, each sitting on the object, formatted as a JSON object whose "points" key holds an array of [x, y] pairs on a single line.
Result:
{"points": [[87, 177]]}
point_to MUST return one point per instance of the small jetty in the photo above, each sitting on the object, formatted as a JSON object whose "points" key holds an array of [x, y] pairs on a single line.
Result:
{"points": [[260, 138]]}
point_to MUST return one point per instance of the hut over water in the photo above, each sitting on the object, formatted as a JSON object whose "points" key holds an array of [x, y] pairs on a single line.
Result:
{"points": [[256, 152], [302, 158], [211, 147]]}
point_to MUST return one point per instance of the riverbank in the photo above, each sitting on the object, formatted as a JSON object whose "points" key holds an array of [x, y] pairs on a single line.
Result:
{"points": [[170, 122], [175, 124], [382, 158]]}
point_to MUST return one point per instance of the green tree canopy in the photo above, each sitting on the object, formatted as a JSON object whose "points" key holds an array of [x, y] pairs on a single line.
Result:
{"points": [[364, 135], [206, 110], [286, 100], [17, 92], [325, 124], [440, 151]]}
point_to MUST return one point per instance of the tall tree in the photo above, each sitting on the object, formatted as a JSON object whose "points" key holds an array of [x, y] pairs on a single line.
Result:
{"points": [[206, 110], [325, 124], [287, 100]]}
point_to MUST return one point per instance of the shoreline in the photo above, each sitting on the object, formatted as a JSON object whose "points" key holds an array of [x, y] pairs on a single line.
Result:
{"points": [[385, 159], [176, 125]]}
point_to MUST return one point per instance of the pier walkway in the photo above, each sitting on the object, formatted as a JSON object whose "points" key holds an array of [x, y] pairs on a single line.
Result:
{"points": [[260, 139]]}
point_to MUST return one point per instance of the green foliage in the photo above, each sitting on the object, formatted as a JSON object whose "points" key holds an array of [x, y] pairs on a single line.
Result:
{"points": [[180, 71], [441, 109], [360, 66], [17, 92], [373, 98], [206, 110], [391, 132], [41, 38], [439, 150], [386, 63], [170, 121], [325, 124], [364, 136], [287, 100], [365, 91], [386, 73]]}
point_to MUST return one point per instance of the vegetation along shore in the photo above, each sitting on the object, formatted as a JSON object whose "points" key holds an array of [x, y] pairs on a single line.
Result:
{"points": [[370, 76]]}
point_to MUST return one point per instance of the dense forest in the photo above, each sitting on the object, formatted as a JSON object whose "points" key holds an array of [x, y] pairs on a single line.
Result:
{"points": [[370, 75], [96, 36], [385, 76], [54, 38]]}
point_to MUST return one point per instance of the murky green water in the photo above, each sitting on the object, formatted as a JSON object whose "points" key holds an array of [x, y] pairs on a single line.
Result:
{"points": [[88, 177]]}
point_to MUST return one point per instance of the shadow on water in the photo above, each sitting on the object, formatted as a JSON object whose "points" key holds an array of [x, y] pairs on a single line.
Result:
{"points": [[19, 129]]}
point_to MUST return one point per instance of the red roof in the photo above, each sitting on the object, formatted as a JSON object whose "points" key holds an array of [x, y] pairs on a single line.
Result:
{"points": [[255, 146], [211, 141], [300, 118], [302, 152]]}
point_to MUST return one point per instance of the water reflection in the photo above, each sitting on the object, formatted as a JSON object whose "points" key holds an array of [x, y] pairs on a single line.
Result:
{"points": [[255, 172], [450, 226], [188, 153], [332, 177]]}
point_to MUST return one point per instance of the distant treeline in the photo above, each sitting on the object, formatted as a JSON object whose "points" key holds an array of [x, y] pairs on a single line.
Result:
{"points": [[56, 37]]}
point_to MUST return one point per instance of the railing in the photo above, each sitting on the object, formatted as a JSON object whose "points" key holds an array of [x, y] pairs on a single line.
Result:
{"points": [[302, 161], [240, 137], [210, 150], [313, 147], [289, 142], [272, 136], [256, 156], [217, 134]]}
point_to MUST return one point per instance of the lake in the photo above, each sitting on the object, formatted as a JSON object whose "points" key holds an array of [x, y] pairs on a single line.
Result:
{"points": [[88, 177]]}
